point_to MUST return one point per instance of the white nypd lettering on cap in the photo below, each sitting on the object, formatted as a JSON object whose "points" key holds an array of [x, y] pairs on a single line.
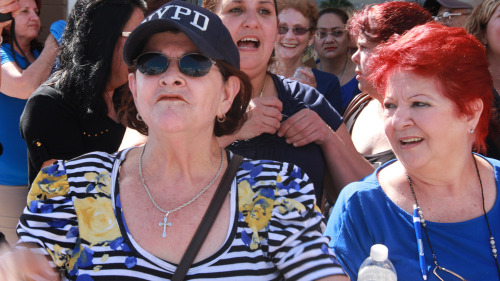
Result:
{"points": [[199, 20], [158, 14]]}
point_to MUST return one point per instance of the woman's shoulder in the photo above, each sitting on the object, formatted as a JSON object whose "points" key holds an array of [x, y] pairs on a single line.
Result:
{"points": [[299, 96], [367, 190], [324, 77], [80, 176]]}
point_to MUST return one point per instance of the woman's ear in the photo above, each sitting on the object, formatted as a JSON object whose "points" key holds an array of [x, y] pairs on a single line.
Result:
{"points": [[473, 118], [230, 89], [132, 84]]}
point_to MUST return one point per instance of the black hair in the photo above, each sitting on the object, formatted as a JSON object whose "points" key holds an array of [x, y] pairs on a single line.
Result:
{"points": [[87, 48], [336, 11]]}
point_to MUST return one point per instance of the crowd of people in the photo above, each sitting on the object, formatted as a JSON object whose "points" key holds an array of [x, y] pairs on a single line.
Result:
{"points": [[249, 140]]}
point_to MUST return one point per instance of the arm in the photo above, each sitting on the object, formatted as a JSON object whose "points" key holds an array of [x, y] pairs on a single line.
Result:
{"points": [[20, 83], [296, 244], [263, 116], [343, 161], [51, 129]]}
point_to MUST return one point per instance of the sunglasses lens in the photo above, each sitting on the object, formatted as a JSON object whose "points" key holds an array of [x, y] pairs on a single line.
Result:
{"points": [[299, 31], [152, 63], [282, 30], [195, 65]]}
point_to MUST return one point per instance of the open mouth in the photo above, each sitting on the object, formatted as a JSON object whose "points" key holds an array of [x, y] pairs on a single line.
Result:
{"points": [[248, 43], [411, 141]]}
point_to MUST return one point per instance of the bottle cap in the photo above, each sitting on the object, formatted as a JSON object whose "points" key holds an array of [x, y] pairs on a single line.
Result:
{"points": [[379, 252]]}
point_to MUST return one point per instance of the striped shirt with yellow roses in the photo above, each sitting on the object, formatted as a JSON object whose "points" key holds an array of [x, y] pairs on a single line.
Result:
{"points": [[74, 214]]}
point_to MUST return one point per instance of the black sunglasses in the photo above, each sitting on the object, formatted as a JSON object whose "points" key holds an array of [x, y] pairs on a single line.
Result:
{"points": [[283, 29], [194, 65]]}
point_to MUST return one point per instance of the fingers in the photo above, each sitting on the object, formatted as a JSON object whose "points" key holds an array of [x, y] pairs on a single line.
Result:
{"points": [[303, 128], [306, 77], [9, 6]]}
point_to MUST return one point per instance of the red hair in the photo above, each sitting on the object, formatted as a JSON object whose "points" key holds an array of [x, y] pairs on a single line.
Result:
{"points": [[379, 22], [455, 59]]}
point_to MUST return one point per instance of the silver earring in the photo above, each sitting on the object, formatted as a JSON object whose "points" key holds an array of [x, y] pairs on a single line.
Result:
{"points": [[471, 131], [138, 117], [221, 119]]}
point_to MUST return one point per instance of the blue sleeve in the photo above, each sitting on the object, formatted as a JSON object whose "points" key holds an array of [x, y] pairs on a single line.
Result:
{"points": [[348, 231], [5, 54], [311, 98], [329, 85]]}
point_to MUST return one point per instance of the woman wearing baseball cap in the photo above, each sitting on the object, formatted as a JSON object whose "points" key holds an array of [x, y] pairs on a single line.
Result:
{"points": [[133, 213]]}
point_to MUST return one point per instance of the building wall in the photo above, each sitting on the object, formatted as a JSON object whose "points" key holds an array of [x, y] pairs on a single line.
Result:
{"points": [[51, 11]]}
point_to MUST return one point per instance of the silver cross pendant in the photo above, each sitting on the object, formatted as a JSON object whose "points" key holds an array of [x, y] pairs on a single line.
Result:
{"points": [[165, 224]]}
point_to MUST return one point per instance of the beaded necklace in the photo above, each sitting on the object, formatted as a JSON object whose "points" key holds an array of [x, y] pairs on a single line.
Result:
{"points": [[422, 221]]}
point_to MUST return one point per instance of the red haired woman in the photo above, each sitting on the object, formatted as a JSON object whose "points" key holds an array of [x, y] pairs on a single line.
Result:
{"points": [[435, 88]]}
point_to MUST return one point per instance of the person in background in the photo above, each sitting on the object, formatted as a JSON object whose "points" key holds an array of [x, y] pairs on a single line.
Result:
{"points": [[451, 12], [97, 217], [287, 121], [436, 112], [331, 42], [76, 110], [370, 27], [297, 24], [6, 7], [24, 67], [484, 24]]}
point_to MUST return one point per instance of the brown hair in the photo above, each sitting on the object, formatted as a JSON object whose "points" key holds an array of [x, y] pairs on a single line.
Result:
{"points": [[480, 17], [308, 8]]}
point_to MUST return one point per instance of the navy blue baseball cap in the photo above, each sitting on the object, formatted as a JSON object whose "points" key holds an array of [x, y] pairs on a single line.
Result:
{"points": [[201, 26]]}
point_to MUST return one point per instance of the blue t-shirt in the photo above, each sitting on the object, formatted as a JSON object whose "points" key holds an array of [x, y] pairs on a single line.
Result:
{"points": [[14, 160], [349, 91], [363, 215], [329, 85], [295, 96]]}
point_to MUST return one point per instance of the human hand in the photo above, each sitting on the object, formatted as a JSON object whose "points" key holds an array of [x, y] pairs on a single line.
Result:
{"points": [[22, 264], [263, 116], [305, 75], [8, 6], [305, 127]]}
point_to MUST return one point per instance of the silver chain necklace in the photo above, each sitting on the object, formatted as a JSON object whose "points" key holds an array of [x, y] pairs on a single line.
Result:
{"points": [[164, 224]]}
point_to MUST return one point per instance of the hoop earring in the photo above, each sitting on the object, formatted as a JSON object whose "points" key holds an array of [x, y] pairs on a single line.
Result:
{"points": [[221, 119], [138, 117]]}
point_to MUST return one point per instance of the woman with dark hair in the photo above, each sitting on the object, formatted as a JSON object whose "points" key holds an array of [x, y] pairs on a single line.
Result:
{"points": [[75, 111], [287, 121], [374, 25], [131, 215], [333, 47], [297, 24], [437, 206], [24, 67]]}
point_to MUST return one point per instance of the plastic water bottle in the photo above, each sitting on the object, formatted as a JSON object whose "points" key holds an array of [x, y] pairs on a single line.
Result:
{"points": [[377, 267]]}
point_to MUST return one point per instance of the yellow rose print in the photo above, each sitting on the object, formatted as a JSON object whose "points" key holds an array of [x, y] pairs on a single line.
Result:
{"points": [[48, 185], [59, 258], [257, 211], [101, 181], [96, 220]]}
